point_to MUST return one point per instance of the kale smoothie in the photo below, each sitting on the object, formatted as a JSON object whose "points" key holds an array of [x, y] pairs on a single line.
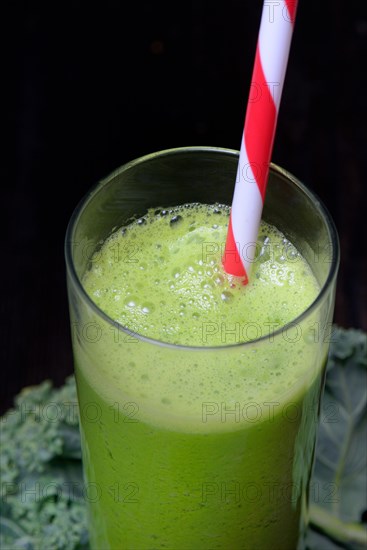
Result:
{"points": [[206, 439]]}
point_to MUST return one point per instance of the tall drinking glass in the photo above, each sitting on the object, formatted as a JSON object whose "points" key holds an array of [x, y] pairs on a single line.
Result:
{"points": [[187, 469]]}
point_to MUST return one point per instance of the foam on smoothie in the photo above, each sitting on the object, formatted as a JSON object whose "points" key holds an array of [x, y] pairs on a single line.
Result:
{"points": [[161, 276]]}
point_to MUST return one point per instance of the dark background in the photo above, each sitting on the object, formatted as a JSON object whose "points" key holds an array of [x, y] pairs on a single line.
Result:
{"points": [[88, 88]]}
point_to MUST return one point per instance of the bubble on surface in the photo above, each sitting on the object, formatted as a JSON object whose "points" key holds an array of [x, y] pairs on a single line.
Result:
{"points": [[226, 296], [148, 307], [175, 220]]}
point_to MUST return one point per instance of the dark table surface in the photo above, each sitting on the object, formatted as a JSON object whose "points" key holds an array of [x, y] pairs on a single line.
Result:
{"points": [[89, 88]]}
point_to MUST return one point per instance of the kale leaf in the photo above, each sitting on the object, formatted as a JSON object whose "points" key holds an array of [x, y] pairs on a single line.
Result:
{"points": [[339, 484], [42, 504]]}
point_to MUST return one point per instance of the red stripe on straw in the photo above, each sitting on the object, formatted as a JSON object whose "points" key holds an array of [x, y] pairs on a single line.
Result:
{"points": [[232, 257], [292, 8], [260, 127]]}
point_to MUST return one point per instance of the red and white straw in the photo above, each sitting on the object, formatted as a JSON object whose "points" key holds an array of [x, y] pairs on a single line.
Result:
{"points": [[271, 60]]}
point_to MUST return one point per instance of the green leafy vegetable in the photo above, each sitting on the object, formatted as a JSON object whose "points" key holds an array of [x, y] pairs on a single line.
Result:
{"points": [[42, 504], [339, 484]]}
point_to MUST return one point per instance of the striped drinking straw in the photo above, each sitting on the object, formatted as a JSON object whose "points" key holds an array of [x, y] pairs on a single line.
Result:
{"points": [[276, 29]]}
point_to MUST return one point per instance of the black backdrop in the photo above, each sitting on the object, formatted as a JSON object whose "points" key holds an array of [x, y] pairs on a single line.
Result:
{"points": [[90, 87]]}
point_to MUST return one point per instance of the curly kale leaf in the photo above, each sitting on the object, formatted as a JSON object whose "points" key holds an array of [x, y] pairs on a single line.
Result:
{"points": [[42, 505]]}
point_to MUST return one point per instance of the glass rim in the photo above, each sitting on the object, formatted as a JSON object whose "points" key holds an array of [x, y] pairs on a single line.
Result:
{"points": [[274, 168]]}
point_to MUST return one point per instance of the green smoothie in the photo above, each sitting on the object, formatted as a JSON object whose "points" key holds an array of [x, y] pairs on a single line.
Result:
{"points": [[208, 446]]}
